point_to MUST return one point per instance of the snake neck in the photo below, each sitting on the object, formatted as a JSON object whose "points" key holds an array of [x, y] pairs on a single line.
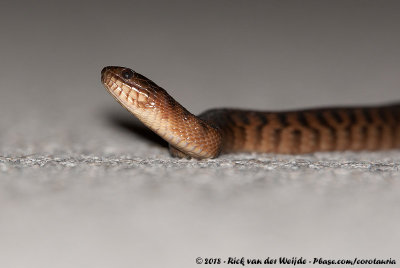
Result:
{"points": [[187, 135]]}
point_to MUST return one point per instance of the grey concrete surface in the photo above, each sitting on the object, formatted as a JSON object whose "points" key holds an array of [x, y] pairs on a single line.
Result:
{"points": [[83, 184]]}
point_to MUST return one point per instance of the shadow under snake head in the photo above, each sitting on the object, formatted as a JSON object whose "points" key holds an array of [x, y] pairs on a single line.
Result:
{"points": [[188, 135]]}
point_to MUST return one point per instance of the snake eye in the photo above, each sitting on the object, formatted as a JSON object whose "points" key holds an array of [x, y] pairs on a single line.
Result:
{"points": [[127, 74]]}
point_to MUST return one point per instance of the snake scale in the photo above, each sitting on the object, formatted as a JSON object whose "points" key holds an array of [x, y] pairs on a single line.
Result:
{"points": [[232, 130]]}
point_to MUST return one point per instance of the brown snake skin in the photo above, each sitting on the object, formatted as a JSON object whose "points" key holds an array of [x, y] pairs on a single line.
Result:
{"points": [[231, 130]]}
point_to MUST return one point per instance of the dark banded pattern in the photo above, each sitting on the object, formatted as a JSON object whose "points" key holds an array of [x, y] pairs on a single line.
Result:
{"points": [[307, 131]]}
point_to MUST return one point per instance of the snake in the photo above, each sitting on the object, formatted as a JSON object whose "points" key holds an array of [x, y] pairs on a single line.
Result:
{"points": [[225, 130]]}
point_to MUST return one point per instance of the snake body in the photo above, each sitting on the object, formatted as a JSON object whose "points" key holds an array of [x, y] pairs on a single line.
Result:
{"points": [[232, 130]]}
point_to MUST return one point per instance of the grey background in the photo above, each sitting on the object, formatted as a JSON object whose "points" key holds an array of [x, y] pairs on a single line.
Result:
{"points": [[83, 184]]}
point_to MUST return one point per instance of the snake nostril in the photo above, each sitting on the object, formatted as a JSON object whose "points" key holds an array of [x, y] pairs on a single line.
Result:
{"points": [[127, 73], [104, 70]]}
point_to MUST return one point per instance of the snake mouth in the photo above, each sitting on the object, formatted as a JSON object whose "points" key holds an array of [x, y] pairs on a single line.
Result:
{"points": [[123, 92]]}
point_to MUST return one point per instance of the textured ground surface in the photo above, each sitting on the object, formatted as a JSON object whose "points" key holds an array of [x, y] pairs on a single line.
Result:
{"points": [[122, 202], [84, 185]]}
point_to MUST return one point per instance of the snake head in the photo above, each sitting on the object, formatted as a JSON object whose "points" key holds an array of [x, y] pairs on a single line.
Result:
{"points": [[130, 89], [188, 135]]}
